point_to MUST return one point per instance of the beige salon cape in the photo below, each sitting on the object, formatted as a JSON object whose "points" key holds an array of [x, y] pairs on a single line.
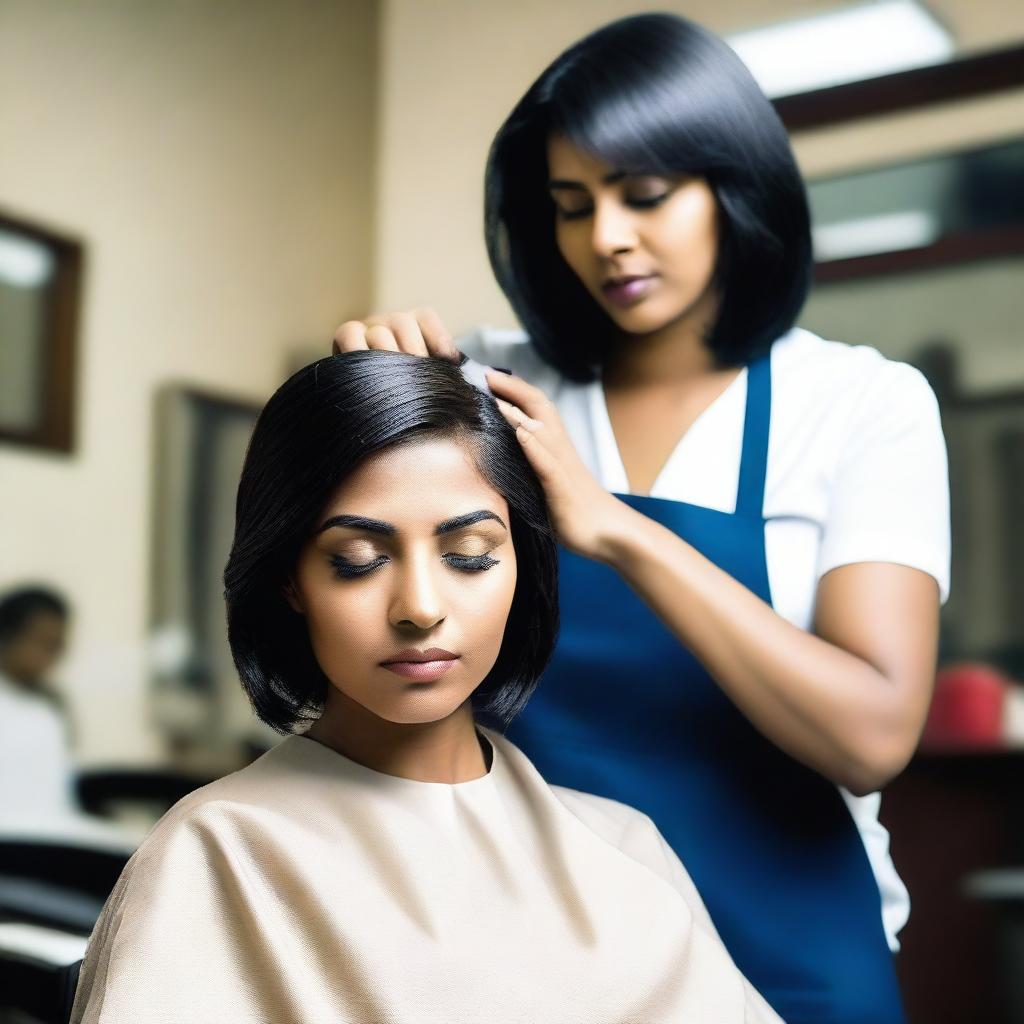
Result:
{"points": [[309, 888]]}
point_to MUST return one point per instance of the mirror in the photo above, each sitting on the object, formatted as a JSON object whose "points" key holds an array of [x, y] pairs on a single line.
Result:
{"points": [[39, 282]]}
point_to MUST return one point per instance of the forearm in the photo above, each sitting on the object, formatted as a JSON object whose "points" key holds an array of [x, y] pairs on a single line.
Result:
{"points": [[826, 707]]}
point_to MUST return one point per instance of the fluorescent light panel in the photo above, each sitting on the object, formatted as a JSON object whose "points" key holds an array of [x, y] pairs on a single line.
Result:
{"points": [[848, 44], [889, 232]]}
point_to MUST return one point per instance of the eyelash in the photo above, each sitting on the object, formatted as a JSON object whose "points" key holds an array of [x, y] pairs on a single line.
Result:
{"points": [[641, 204], [464, 563]]}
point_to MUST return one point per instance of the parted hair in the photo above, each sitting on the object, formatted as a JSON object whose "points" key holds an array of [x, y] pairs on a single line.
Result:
{"points": [[310, 436], [651, 94]]}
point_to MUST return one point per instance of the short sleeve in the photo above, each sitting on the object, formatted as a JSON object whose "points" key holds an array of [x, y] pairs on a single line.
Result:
{"points": [[889, 499]]}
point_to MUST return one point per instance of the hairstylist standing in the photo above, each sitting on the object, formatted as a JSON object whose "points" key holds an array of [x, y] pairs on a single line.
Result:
{"points": [[754, 520]]}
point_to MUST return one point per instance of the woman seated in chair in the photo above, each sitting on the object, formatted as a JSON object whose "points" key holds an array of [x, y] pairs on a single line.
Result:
{"points": [[391, 603]]}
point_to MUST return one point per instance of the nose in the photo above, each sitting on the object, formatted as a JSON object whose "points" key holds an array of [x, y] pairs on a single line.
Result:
{"points": [[418, 599], [613, 229]]}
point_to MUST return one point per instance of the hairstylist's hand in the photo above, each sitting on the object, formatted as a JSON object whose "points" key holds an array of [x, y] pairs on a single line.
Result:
{"points": [[418, 332], [582, 512]]}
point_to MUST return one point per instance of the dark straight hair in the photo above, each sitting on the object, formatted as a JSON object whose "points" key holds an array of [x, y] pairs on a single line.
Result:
{"points": [[312, 434], [654, 94]]}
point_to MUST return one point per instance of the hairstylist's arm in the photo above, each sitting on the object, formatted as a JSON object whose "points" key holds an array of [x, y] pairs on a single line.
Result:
{"points": [[848, 700], [419, 332]]}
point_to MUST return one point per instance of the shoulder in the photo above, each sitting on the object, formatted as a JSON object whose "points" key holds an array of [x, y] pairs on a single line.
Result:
{"points": [[636, 835], [215, 814], [828, 395], [621, 825], [26, 713], [511, 349], [804, 363]]}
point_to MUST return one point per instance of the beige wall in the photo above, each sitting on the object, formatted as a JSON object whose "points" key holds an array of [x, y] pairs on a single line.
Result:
{"points": [[216, 161], [452, 70]]}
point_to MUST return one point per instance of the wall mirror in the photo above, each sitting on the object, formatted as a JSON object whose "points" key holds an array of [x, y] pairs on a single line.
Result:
{"points": [[39, 289]]}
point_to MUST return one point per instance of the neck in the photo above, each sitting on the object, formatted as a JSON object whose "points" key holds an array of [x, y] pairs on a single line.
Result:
{"points": [[671, 356], [448, 750]]}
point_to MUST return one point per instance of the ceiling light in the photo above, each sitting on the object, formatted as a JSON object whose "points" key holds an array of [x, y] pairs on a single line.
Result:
{"points": [[848, 44]]}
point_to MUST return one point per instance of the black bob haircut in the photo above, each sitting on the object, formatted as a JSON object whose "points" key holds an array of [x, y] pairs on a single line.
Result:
{"points": [[19, 606], [654, 94], [312, 434]]}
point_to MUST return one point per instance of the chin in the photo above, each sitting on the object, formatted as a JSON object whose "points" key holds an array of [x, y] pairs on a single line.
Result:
{"points": [[637, 321], [420, 707], [648, 318], [643, 318]]}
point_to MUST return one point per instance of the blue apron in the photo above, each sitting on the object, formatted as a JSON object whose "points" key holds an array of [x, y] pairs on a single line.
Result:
{"points": [[625, 711]]}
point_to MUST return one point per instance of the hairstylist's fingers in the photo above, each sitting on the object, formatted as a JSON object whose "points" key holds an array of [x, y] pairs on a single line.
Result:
{"points": [[544, 462], [406, 329], [379, 336], [349, 337], [528, 397], [435, 334], [419, 332]]}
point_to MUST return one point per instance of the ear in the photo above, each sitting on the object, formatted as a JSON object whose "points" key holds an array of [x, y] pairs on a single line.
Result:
{"points": [[291, 595]]}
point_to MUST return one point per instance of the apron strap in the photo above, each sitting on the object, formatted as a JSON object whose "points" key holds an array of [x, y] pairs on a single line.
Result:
{"points": [[756, 421]]}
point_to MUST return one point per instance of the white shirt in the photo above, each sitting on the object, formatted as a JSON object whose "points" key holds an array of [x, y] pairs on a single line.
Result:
{"points": [[36, 771], [37, 778], [856, 472]]}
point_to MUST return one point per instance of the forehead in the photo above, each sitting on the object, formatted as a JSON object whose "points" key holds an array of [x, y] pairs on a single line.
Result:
{"points": [[417, 485], [567, 160]]}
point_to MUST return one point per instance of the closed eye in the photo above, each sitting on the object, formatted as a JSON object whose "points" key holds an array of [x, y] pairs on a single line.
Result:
{"points": [[347, 569], [636, 202], [645, 202], [471, 563]]}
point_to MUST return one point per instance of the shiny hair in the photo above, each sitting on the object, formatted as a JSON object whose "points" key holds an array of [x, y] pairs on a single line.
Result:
{"points": [[653, 94], [316, 429]]}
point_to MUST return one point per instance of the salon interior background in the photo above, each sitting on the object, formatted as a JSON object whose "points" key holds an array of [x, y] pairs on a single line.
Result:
{"points": [[242, 176], [239, 177]]}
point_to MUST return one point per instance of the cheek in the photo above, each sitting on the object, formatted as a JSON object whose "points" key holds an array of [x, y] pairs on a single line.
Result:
{"points": [[478, 608], [686, 236], [489, 605], [342, 621], [572, 245]]}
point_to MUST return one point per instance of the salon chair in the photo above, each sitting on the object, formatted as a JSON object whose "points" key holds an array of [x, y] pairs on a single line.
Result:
{"points": [[39, 971], [99, 792], [51, 893], [56, 884]]}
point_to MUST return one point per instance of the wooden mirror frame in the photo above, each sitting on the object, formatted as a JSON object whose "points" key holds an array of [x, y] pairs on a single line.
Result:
{"points": [[967, 78], [54, 429]]}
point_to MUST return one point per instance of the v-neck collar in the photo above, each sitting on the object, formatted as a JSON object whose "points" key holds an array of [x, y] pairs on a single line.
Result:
{"points": [[609, 458]]}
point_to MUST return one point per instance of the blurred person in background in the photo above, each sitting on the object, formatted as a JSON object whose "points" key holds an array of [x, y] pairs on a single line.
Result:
{"points": [[36, 767], [754, 519]]}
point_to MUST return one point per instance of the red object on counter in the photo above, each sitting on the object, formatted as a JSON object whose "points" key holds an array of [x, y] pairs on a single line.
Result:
{"points": [[967, 708]]}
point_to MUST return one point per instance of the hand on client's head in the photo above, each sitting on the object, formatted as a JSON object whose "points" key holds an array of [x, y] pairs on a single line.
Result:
{"points": [[418, 332]]}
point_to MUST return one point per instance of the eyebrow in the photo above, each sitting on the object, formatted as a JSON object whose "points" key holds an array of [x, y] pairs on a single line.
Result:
{"points": [[388, 529], [578, 186], [461, 522]]}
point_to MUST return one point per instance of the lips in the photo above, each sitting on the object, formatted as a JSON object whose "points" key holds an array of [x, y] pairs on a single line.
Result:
{"points": [[411, 655], [627, 289], [615, 282], [420, 666]]}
